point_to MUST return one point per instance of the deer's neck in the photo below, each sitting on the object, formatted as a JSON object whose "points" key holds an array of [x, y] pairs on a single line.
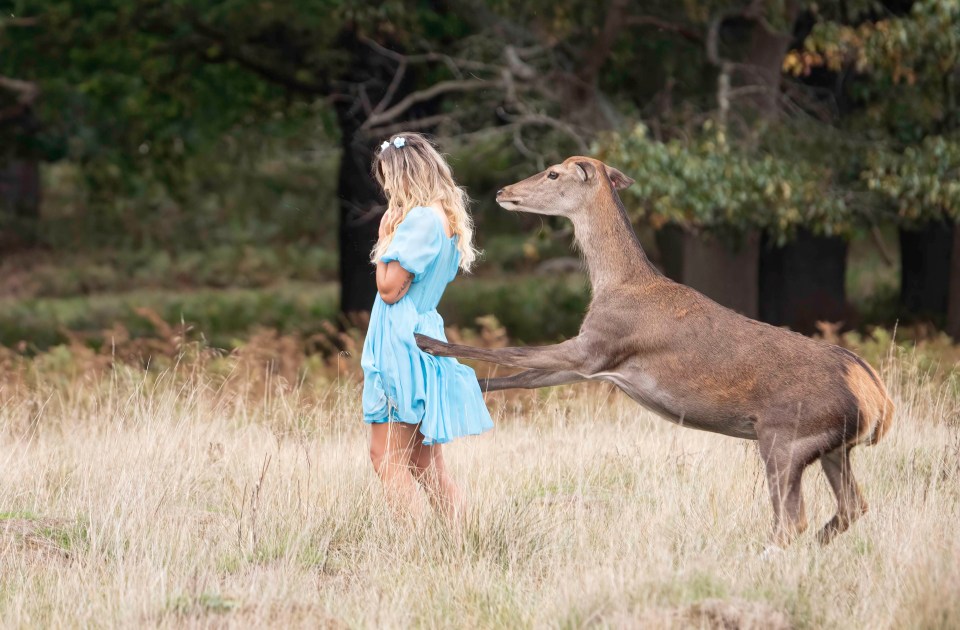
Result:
{"points": [[610, 246]]}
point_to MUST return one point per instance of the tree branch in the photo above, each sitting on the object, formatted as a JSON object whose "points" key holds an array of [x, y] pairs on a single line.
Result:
{"points": [[524, 150], [663, 25], [27, 94], [598, 54], [548, 121], [435, 90], [391, 89], [410, 125], [16, 22], [455, 64], [27, 90], [712, 44]]}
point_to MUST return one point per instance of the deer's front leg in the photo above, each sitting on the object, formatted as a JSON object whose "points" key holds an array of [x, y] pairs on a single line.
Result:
{"points": [[572, 355], [530, 379]]}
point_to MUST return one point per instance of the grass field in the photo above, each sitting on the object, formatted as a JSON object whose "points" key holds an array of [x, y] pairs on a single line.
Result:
{"points": [[132, 499]]}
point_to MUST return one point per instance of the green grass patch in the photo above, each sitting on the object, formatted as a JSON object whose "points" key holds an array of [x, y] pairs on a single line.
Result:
{"points": [[71, 538], [205, 603], [530, 308], [36, 275], [25, 515], [216, 315]]}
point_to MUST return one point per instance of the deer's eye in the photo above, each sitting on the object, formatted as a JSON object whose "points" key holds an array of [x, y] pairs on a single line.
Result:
{"points": [[553, 175]]}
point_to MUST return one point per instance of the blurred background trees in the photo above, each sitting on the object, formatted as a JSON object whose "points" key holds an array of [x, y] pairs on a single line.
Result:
{"points": [[795, 160]]}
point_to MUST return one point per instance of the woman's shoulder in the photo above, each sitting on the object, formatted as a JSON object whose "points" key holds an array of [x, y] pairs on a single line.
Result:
{"points": [[420, 213], [425, 217]]}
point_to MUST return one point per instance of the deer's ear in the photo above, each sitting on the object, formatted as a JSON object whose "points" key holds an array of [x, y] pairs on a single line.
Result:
{"points": [[586, 171], [618, 179]]}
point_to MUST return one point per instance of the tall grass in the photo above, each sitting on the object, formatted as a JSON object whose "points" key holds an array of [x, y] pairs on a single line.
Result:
{"points": [[187, 498]]}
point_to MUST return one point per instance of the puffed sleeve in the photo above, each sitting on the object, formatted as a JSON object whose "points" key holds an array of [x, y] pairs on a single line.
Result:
{"points": [[416, 242]]}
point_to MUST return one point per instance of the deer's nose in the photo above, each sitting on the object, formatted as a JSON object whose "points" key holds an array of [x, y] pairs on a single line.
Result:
{"points": [[499, 192]]}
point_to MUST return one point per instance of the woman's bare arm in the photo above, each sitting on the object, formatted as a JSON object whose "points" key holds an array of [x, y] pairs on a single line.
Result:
{"points": [[393, 281]]}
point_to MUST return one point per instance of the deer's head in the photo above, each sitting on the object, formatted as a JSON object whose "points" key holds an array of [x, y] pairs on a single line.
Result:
{"points": [[564, 189]]}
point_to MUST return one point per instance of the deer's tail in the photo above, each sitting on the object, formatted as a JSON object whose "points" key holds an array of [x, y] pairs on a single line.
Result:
{"points": [[875, 409]]}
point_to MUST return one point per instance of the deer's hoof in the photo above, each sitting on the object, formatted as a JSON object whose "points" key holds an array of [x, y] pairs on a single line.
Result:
{"points": [[427, 344], [826, 535]]}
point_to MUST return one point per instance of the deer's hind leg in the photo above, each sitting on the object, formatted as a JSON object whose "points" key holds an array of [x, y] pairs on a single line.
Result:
{"points": [[850, 502], [785, 461]]}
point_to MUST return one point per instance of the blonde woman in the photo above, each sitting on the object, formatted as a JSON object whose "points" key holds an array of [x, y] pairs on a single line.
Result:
{"points": [[413, 401]]}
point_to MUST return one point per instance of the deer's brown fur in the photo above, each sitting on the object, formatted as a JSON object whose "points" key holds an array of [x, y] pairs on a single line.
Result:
{"points": [[692, 361]]}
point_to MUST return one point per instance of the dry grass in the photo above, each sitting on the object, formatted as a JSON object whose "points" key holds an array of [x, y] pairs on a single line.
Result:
{"points": [[185, 500]]}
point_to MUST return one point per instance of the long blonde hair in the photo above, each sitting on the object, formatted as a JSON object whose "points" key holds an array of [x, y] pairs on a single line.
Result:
{"points": [[415, 174]]}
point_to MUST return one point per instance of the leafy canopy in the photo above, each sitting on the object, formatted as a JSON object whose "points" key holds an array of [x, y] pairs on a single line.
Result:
{"points": [[710, 184]]}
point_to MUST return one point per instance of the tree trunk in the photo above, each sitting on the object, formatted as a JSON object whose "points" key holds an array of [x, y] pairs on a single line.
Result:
{"points": [[361, 201], [761, 68], [953, 299], [765, 62], [803, 282], [19, 203], [360, 211], [19, 183], [725, 273], [925, 253]]}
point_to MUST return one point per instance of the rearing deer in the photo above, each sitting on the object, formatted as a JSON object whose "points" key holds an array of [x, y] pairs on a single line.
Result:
{"points": [[692, 361]]}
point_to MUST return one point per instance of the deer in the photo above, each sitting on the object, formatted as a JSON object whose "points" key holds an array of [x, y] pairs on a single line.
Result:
{"points": [[692, 361]]}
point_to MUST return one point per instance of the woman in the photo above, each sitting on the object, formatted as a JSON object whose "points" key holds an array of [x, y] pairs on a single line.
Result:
{"points": [[413, 401]]}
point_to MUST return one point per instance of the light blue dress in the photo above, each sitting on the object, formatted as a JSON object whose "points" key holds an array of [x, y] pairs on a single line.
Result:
{"points": [[402, 383]]}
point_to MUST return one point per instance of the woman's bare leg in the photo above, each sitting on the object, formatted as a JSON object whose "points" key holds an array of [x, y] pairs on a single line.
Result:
{"points": [[391, 447], [431, 470]]}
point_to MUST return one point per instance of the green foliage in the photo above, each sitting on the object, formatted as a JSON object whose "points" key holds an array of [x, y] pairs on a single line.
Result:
{"points": [[169, 143], [518, 252], [926, 42], [112, 101], [268, 184], [132, 87], [530, 309], [783, 177], [708, 183], [907, 63], [922, 182], [195, 135]]}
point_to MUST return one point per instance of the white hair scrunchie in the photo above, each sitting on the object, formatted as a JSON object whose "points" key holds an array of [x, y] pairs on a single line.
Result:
{"points": [[398, 142]]}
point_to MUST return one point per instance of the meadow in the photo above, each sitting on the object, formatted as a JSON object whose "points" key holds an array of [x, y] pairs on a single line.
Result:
{"points": [[235, 490]]}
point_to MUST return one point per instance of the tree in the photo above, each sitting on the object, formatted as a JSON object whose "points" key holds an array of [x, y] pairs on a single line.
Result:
{"points": [[756, 114], [19, 172], [742, 179], [166, 78], [910, 64], [171, 76], [800, 157]]}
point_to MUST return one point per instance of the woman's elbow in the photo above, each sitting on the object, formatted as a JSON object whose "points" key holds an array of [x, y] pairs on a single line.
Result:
{"points": [[389, 296]]}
